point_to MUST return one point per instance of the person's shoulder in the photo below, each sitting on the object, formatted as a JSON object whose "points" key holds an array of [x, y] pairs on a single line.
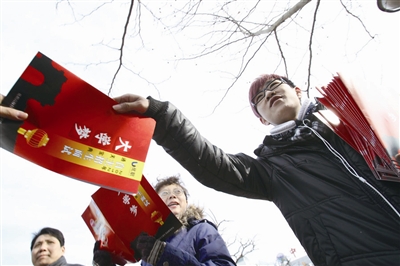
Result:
{"points": [[204, 223]]}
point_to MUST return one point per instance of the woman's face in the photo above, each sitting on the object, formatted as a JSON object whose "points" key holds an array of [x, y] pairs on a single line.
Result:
{"points": [[175, 198]]}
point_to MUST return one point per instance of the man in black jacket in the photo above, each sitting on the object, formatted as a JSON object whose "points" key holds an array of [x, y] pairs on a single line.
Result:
{"points": [[339, 211]]}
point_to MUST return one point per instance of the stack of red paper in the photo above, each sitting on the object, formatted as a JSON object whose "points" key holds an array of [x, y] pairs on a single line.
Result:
{"points": [[369, 124]]}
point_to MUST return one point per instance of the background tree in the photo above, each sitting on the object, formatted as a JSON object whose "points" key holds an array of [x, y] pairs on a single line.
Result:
{"points": [[286, 34], [238, 247]]}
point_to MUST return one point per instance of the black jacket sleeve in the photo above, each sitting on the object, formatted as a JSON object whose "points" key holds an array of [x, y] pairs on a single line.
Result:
{"points": [[234, 174]]}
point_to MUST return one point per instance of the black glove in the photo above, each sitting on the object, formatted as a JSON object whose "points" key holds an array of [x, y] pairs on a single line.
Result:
{"points": [[142, 245], [101, 257]]}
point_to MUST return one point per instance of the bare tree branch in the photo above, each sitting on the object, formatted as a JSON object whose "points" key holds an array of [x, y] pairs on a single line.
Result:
{"points": [[281, 52], [244, 32], [243, 247], [284, 17], [121, 49], [216, 221], [310, 47], [362, 23], [242, 69], [82, 17]]}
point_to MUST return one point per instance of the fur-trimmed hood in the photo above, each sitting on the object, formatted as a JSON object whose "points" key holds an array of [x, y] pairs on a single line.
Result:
{"points": [[192, 213]]}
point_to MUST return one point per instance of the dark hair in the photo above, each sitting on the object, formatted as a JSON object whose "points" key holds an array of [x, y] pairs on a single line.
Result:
{"points": [[49, 231], [260, 82], [172, 180]]}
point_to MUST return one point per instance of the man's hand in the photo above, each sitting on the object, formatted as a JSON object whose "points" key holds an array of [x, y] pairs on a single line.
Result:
{"points": [[11, 113], [131, 103]]}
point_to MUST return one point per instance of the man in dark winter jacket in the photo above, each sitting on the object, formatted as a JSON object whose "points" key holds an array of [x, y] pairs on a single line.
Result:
{"points": [[197, 242], [339, 211], [47, 248]]}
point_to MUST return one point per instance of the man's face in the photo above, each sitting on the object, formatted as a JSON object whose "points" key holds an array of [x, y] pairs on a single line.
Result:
{"points": [[46, 250], [174, 197], [279, 105]]}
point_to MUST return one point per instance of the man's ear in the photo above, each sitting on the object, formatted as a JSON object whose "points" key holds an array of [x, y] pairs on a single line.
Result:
{"points": [[298, 92], [63, 249], [264, 122]]}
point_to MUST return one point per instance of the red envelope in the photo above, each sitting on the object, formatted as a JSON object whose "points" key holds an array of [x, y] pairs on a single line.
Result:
{"points": [[117, 218], [370, 128]]}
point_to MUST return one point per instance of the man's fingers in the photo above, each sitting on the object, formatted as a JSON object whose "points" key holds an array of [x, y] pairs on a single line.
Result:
{"points": [[131, 103], [128, 98], [13, 114]]}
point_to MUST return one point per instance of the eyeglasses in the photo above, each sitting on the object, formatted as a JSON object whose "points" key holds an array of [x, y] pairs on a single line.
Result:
{"points": [[270, 86], [166, 193]]}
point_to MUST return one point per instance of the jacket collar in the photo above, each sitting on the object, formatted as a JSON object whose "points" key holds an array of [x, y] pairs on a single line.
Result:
{"points": [[60, 262], [192, 213]]}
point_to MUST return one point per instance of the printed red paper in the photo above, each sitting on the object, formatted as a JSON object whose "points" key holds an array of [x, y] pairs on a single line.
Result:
{"points": [[116, 218], [73, 130]]}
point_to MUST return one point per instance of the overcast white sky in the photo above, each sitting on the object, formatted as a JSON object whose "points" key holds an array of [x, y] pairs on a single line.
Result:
{"points": [[33, 197]]}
